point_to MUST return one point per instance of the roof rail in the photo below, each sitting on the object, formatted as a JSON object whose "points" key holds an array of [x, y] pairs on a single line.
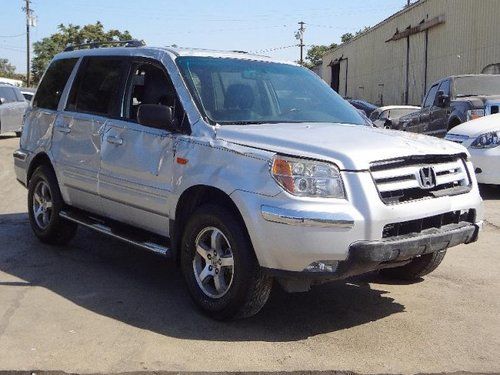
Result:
{"points": [[124, 43]]}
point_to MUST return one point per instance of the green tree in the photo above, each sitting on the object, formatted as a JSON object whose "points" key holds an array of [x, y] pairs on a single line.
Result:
{"points": [[7, 70], [344, 38], [316, 53], [48, 47]]}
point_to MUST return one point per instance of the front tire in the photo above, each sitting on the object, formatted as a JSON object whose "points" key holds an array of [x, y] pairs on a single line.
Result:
{"points": [[44, 205], [417, 268], [220, 267]]}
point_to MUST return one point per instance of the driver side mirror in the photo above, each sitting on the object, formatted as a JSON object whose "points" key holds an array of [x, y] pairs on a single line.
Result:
{"points": [[2, 100], [156, 116], [442, 100]]}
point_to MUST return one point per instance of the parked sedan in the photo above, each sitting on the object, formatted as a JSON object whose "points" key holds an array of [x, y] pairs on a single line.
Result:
{"points": [[388, 116], [482, 139], [12, 108]]}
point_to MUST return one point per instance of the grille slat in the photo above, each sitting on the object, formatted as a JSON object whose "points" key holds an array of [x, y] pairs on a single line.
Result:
{"points": [[399, 181]]}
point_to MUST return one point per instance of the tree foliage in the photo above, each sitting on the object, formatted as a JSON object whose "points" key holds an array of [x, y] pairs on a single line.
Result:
{"points": [[48, 47], [7, 70], [344, 38], [315, 54]]}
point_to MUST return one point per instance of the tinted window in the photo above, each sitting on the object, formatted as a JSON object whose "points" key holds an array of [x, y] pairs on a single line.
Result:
{"points": [[429, 100], [236, 91], [8, 94], [98, 85], [50, 89]]}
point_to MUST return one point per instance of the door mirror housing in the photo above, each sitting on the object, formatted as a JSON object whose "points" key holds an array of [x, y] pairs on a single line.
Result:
{"points": [[2, 100], [442, 100], [156, 116]]}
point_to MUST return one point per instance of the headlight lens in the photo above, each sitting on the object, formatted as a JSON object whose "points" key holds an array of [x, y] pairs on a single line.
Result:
{"points": [[487, 140], [474, 113], [307, 178]]}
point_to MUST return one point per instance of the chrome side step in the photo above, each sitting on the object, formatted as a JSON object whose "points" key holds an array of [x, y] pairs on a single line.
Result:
{"points": [[140, 240]]}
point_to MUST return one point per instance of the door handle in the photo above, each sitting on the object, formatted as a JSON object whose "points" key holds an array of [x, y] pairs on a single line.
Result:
{"points": [[114, 140], [63, 129]]}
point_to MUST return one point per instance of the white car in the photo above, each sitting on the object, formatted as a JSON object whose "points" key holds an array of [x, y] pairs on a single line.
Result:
{"points": [[388, 116], [12, 109], [482, 138]]}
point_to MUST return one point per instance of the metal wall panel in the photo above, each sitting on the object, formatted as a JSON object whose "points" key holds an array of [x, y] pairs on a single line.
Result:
{"points": [[466, 43]]}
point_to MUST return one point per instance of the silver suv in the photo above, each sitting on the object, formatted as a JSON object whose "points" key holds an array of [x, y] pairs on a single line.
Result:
{"points": [[243, 169]]}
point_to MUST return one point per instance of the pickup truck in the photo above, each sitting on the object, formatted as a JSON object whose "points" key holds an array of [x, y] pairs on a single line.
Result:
{"points": [[452, 101]]}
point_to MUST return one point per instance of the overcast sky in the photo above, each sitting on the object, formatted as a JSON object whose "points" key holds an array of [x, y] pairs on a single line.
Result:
{"points": [[265, 26]]}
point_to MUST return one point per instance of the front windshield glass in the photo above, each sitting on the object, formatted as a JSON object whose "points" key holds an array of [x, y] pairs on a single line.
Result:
{"points": [[477, 85], [236, 91]]}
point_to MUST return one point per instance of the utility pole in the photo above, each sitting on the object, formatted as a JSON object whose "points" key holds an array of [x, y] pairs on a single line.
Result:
{"points": [[29, 22], [299, 35]]}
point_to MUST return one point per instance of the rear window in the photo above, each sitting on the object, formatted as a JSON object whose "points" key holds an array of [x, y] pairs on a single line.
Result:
{"points": [[98, 86], [51, 88]]}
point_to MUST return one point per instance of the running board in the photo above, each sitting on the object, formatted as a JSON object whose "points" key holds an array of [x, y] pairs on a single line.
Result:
{"points": [[140, 238]]}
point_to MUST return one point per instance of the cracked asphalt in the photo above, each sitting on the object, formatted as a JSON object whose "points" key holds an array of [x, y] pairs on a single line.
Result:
{"points": [[98, 305]]}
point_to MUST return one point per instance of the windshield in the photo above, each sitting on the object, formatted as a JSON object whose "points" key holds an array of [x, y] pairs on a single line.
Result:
{"points": [[477, 85], [235, 91]]}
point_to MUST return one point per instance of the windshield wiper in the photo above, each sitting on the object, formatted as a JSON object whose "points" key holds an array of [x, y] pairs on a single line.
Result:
{"points": [[465, 95], [255, 122]]}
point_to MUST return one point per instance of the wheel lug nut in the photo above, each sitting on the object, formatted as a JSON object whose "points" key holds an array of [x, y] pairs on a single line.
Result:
{"points": [[216, 270], [210, 268], [209, 256]]}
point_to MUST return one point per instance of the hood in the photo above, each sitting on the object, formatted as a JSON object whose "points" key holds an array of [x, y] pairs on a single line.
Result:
{"points": [[351, 147], [478, 126]]}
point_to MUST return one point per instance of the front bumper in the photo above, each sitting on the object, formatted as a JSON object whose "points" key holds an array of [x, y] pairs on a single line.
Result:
{"points": [[366, 256], [486, 165]]}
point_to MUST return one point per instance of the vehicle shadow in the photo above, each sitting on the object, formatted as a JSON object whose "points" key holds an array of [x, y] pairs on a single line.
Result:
{"points": [[489, 192], [146, 291]]}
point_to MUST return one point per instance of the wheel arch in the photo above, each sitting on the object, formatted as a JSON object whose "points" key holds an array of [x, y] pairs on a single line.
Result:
{"points": [[40, 159], [192, 198]]}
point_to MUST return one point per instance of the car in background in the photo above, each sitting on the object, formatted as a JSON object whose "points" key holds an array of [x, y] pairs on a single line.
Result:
{"points": [[365, 106], [388, 116], [28, 93], [12, 109], [482, 139], [453, 101]]}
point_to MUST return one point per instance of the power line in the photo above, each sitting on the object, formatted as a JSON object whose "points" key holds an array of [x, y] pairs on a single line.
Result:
{"points": [[12, 36]]}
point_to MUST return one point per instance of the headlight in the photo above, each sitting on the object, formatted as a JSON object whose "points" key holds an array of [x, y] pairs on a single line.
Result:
{"points": [[487, 140], [307, 178], [474, 113]]}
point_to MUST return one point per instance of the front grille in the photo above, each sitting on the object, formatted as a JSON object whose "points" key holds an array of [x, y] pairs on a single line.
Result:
{"points": [[399, 180], [419, 225]]}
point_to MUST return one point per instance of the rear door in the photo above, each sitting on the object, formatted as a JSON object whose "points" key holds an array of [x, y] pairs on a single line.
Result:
{"points": [[94, 99], [135, 180]]}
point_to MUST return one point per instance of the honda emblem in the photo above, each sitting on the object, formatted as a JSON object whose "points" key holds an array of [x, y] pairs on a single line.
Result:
{"points": [[427, 177]]}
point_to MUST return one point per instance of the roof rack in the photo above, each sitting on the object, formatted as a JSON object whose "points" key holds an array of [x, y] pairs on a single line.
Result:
{"points": [[117, 43]]}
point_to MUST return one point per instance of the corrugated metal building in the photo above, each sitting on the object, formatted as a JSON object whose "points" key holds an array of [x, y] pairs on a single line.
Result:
{"points": [[395, 61]]}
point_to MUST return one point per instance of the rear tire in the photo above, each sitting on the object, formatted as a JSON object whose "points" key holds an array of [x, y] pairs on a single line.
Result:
{"points": [[44, 205], [220, 267], [417, 268]]}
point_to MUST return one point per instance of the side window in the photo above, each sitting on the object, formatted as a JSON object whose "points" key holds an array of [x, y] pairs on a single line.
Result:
{"points": [[150, 84], [50, 89], [19, 96], [445, 87], [431, 96], [374, 115], [8, 94], [98, 85]]}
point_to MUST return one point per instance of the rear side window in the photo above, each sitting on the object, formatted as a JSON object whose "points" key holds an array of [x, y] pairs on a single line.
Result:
{"points": [[8, 94], [98, 86], [50, 89]]}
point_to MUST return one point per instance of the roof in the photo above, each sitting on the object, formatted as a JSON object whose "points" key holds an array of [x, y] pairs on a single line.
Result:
{"points": [[376, 26], [156, 51]]}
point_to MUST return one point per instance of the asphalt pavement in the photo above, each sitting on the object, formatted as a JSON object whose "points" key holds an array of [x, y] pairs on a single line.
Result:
{"points": [[98, 305]]}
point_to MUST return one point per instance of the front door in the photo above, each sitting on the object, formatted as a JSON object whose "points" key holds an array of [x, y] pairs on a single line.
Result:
{"points": [[135, 180]]}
